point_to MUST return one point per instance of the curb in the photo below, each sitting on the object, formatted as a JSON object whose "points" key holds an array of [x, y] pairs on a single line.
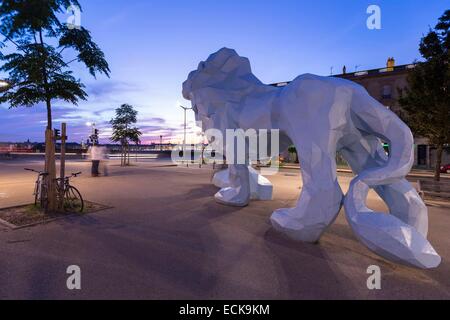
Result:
{"points": [[437, 204]]}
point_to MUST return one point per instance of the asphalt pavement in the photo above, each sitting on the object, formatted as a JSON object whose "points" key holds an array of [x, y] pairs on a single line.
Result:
{"points": [[166, 238]]}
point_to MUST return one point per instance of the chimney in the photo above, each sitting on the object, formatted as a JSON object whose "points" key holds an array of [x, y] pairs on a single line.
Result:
{"points": [[390, 63]]}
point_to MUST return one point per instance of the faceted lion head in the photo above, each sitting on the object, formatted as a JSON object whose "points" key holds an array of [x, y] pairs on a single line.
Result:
{"points": [[216, 88]]}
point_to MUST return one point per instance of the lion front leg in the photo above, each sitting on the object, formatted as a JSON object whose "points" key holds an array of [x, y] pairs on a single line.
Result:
{"points": [[238, 192], [320, 201]]}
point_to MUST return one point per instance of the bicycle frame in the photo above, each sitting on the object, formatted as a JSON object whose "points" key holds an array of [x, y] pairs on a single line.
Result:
{"points": [[65, 182], [64, 190], [65, 185], [40, 188]]}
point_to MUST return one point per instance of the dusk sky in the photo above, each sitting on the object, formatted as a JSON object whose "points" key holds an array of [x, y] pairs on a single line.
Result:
{"points": [[153, 45]]}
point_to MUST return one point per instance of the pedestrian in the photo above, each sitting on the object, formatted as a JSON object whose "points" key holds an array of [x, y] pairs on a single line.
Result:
{"points": [[103, 154], [96, 157]]}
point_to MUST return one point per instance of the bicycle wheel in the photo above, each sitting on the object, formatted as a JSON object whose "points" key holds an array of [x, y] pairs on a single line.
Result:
{"points": [[73, 201]]}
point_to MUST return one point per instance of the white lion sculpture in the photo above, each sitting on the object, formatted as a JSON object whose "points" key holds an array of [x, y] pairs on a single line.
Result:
{"points": [[321, 116]]}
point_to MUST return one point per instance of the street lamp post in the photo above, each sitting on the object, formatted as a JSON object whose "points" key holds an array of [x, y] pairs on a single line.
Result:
{"points": [[185, 128], [93, 132], [203, 149]]}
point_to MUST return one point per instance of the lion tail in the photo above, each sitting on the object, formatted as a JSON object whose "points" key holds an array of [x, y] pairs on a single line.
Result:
{"points": [[386, 234]]}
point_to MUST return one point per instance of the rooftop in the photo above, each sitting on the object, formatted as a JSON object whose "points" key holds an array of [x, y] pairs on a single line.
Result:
{"points": [[365, 73]]}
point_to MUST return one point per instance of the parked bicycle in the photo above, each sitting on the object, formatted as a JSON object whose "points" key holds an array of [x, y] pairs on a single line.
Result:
{"points": [[72, 199], [40, 189]]}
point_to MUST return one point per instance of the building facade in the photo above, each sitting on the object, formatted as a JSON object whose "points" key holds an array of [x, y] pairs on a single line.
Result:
{"points": [[384, 84]]}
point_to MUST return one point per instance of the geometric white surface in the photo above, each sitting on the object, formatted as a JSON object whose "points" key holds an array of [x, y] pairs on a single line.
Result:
{"points": [[260, 187], [321, 116]]}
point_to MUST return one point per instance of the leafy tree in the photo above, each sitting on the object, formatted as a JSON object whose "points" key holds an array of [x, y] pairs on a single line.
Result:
{"points": [[38, 73], [124, 132], [427, 100]]}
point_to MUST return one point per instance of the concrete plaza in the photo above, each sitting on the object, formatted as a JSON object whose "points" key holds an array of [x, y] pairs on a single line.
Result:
{"points": [[166, 238]]}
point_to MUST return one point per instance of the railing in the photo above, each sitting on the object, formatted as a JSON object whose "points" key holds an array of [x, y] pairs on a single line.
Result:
{"points": [[433, 189], [15, 150]]}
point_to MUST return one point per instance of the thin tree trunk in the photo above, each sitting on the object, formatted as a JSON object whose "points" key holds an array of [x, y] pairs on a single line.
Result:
{"points": [[129, 153], [50, 165], [122, 156], [49, 115], [440, 151]]}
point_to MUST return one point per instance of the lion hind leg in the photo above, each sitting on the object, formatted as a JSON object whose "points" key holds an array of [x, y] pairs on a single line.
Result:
{"points": [[400, 236], [320, 201], [400, 197], [387, 235]]}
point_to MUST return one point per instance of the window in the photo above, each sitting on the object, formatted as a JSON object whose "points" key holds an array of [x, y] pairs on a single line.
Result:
{"points": [[387, 92]]}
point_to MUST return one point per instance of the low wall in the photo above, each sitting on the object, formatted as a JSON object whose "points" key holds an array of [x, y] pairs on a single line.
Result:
{"points": [[78, 156]]}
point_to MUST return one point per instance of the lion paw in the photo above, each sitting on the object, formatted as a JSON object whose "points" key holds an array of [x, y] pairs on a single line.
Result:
{"points": [[232, 197], [295, 228]]}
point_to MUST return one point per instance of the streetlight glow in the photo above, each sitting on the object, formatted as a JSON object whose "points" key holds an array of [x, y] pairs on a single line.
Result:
{"points": [[4, 84]]}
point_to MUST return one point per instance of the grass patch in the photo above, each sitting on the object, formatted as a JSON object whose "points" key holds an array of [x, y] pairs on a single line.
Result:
{"points": [[29, 215]]}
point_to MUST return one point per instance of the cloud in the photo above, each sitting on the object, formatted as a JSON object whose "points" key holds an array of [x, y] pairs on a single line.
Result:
{"points": [[105, 96], [106, 88], [158, 120]]}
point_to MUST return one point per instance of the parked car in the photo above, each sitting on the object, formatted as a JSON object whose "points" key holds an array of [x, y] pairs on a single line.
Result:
{"points": [[445, 169]]}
